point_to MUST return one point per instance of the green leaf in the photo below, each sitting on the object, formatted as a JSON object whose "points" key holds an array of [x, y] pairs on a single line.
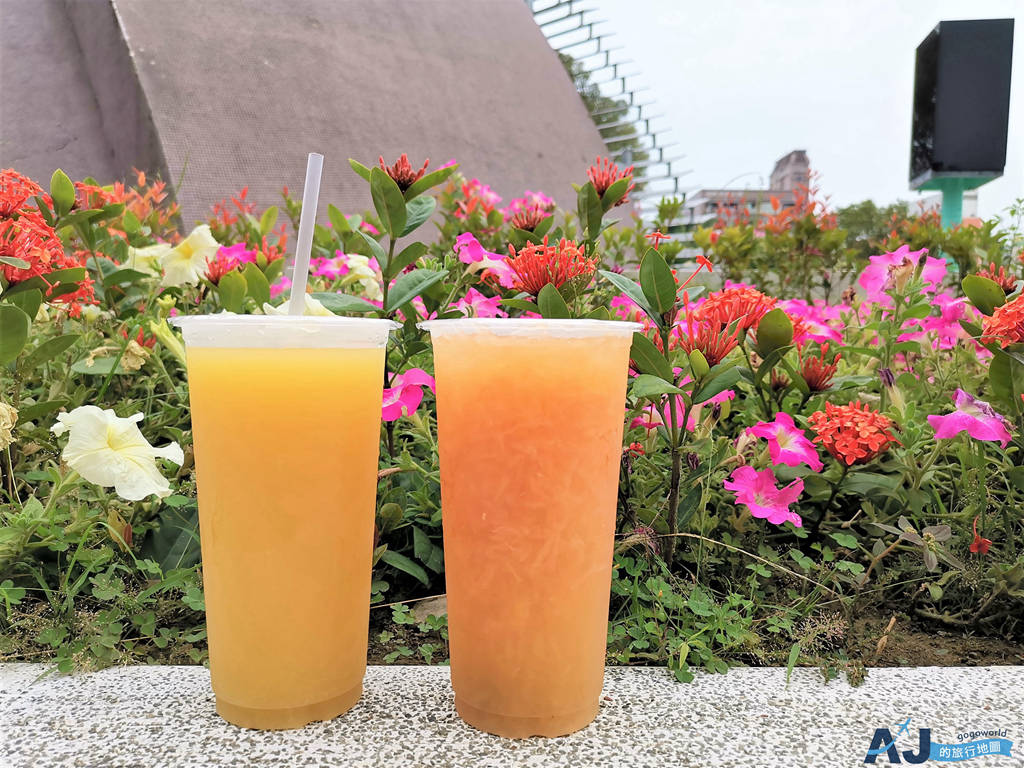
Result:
{"points": [[551, 303], [521, 304], [588, 208], [985, 294], [101, 366], [699, 364], [1006, 377], [657, 281], [375, 249], [429, 180], [62, 192], [388, 201], [403, 563], [49, 350], [14, 327], [132, 225], [794, 655], [268, 220], [28, 302], [344, 302], [409, 254], [652, 387], [15, 262], [417, 211], [122, 276], [338, 220], [63, 280], [844, 540], [175, 542], [615, 192], [775, 331], [256, 284], [359, 168], [598, 313], [231, 291], [720, 383], [34, 411], [648, 358], [412, 284], [632, 290]]}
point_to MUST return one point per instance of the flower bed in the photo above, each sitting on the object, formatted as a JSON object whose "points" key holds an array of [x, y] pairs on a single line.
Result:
{"points": [[818, 438]]}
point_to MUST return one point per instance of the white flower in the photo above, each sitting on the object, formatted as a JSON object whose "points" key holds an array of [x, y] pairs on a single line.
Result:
{"points": [[8, 418], [313, 307], [147, 259], [185, 263], [108, 450], [360, 270]]}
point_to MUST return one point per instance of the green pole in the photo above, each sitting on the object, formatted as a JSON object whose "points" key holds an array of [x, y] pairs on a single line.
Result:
{"points": [[952, 200]]}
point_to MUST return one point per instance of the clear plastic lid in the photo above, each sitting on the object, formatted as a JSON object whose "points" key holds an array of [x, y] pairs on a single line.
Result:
{"points": [[530, 327], [283, 331]]}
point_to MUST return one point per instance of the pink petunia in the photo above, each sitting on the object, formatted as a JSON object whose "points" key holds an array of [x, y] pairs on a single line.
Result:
{"points": [[405, 393], [876, 279], [470, 251], [757, 490], [475, 304], [973, 416], [822, 322], [237, 254], [787, 443]]}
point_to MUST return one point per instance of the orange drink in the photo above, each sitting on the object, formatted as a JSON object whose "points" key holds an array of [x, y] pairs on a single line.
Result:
{"points": [[286, 424], [530, 421]]}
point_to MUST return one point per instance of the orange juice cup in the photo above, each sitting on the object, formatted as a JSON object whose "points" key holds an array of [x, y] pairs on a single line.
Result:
{"points": [[286, 423], [530, 421]]}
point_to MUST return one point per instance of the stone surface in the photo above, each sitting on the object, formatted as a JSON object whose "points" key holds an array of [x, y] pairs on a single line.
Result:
{"points": [[142, 717], [222, 94]]}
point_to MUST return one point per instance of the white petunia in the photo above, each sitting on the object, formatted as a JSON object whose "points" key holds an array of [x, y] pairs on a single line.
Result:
{"points": [[313, 307], [147, 259], [108, 450], [185, 263], [359, 268]]}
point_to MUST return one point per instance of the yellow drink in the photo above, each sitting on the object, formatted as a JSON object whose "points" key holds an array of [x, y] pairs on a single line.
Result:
{"points": [[286, 444], [530, 419]]}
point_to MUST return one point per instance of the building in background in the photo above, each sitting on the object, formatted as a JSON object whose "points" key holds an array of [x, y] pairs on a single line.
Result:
{"points": [[791, 172]]}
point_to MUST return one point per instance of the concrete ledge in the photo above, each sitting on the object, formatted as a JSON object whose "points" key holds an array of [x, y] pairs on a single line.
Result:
{"points": [[142, 717]]}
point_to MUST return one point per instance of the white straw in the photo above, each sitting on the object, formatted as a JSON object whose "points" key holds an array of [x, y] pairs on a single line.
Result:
{"points": [[304, 242]]}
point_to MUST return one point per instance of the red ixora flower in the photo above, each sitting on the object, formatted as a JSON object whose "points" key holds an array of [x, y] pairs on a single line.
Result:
{"points": [[1006, 325], [90, 196], [219, 266], [1000, 278], [140, 338], [529, 218], [15, 190], [402, 171], [740, 305], [537, 265], [711, 336], [603, 173], [816, 369], [29, 238], [980, 543], [852, 433]]}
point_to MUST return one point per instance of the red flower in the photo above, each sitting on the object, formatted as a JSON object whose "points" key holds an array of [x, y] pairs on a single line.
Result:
{"points": [[980, 543], [636, 449], [29, 238], [529, 218], [219, 266], [1006, 325], [15, 189], [140, 338], [1000, 278], [603, 173], [744, 306], [852, 433], [89, 196], [402, 171], [713, 337], [656, 237], [537, 265], [816, 370]]}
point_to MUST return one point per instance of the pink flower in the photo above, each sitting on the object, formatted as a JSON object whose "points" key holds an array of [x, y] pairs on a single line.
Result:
{"points": [[822, 322], [757, 490], [475, 304], [237, 254], [526, 202], [370, 228], [624, 307], [787, 443], [945, 328], [471, 252], [878, 276], [282, 284], [405, 393], [973, 416]]}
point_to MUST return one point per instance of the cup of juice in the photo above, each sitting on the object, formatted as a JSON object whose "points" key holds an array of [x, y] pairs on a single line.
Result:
{"points": [[530, 423], [286, 418]]}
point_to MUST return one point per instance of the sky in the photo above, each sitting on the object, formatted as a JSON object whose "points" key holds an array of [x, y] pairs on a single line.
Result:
{"points": [[743, 82]]}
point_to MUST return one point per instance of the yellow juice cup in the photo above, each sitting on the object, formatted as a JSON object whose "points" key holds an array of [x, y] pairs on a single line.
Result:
{"points": [[286, 424], [530, 424]]}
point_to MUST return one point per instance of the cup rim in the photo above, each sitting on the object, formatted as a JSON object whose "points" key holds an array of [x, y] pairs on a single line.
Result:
{"points": [[227, 319], [523, 326]]}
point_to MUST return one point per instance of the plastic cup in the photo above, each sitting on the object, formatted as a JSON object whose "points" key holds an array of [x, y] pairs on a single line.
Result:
{"points": [[530, 423], [286, 422]]}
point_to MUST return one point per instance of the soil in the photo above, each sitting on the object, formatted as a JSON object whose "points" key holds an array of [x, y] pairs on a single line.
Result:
{"points": [[913, 646]]}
